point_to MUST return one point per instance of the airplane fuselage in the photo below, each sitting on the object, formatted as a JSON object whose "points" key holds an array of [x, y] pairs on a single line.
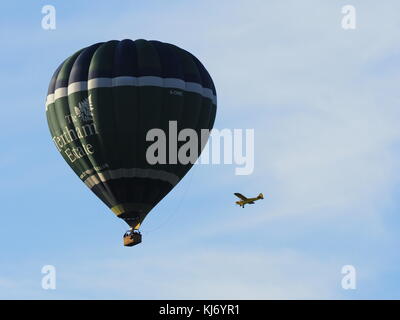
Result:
{"points": [[249, 200], [244, 200]]}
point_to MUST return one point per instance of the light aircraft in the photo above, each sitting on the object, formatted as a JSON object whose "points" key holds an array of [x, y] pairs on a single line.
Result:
{"points": [[245, 200]]}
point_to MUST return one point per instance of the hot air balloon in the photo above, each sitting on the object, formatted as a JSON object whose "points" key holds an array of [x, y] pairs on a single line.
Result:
{"points": [[101, 103]]}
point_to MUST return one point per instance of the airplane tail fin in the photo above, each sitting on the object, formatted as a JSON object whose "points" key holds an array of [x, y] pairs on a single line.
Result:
{"points": [[260, 196]]}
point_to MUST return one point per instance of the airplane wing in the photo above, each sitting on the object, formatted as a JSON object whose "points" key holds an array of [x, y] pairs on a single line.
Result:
{"points": [[239, 195]]}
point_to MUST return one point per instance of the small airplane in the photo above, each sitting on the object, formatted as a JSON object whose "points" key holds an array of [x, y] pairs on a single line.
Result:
{"points": [[245, 200]]}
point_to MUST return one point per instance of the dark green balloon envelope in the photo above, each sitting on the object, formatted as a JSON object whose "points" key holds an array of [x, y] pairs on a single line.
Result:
{"points": [[103, 100]]}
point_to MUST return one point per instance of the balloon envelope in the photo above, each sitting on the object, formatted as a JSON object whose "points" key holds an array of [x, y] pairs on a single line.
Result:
{"points": [[103, 100]]}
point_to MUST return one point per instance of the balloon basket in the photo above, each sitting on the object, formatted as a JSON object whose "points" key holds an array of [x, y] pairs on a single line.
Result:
{"points": [[132, 238]]}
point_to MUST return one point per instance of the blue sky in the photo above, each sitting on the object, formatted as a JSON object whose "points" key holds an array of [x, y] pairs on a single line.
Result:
{"points": [[324, 106]]}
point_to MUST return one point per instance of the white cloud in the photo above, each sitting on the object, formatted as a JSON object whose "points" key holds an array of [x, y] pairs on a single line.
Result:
{"points": [[201, 274], [325, 125]]}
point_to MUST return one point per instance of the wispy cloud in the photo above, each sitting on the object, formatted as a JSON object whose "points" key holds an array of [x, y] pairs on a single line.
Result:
{"points": [[324, 106], [203, 274]]}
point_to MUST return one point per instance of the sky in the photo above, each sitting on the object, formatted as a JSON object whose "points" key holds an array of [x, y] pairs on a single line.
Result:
{"points": [[323, 103]]}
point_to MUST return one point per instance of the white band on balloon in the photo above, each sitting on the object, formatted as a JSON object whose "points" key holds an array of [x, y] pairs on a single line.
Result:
{"points": [[172, 83], [107, 175]]}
